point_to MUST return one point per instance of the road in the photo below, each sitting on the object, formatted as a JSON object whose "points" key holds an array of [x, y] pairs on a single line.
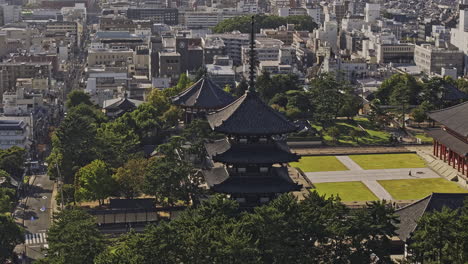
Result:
{"points": [[34, 213]]}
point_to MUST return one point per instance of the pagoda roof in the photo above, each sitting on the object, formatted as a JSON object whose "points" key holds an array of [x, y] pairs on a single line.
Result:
{"points": [[410, 214], [121, 104], [455, 118], [203, 94], [258, 153], [219, 180], [453, 93], [249, 115], [449, 140]]}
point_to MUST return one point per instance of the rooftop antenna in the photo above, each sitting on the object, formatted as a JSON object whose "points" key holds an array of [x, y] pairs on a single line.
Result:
{"points": [[252, 60]]}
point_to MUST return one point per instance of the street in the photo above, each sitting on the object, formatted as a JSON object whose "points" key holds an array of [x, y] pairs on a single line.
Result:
{"points": [[34, 212]]}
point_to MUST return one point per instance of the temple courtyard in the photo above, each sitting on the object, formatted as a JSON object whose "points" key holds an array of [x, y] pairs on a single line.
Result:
{"points": [[357, 178]]}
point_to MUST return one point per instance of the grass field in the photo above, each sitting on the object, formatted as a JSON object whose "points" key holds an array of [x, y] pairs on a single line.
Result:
{"points": [[424, 138], [319, 163], [388, 161], [419, 188], [348, 191], [372, 135]]}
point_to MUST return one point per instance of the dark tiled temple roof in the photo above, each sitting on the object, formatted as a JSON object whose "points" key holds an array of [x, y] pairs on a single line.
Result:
{"points": [[455, 118], [121, 104], [453, 93], [249, 115], [410, 215], [219, 180], [204, 94], [226, 152], [449, 141]]}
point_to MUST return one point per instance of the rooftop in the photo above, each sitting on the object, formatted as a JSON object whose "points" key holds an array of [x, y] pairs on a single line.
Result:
{"points": [[204, 94]]}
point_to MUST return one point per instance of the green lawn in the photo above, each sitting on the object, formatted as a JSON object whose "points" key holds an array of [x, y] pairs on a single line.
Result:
{"points": [[388, 161], [371, 136], [419, 188], [319, 163], [424, 138], [348, 191]]}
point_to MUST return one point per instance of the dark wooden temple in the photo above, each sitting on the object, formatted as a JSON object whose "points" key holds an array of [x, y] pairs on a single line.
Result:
{"points": [[201, 98], [451, 140], [250, 164]]}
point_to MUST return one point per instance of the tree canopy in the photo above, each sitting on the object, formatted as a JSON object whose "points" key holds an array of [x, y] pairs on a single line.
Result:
{"points": [[243, 23]]}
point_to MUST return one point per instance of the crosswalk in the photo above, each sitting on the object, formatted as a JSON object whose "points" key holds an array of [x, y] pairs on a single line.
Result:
{"points": [[36, 238]]}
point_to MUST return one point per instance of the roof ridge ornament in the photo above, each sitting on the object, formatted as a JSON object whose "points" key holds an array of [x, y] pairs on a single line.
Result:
{"points": [[252, 60]]}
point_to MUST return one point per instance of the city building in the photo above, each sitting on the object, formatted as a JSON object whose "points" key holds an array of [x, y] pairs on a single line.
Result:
{"points": [[221, 71], [14, 133], [431, 59], [169, 16]]}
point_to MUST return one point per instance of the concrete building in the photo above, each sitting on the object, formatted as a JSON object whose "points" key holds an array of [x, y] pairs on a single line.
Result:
{"points": [[372, 12], [207, 19], [169, 65], [106, 56], [21, 102], [212, 47], [233, 44], [169, 16], [459, 36], [221, 71], [10, 13], [10, 72], [14, 133], [395, 53], [432, 59]]}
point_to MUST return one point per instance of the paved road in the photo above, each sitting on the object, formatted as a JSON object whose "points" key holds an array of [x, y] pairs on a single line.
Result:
{"points": [[361, 175], [35, 215]]}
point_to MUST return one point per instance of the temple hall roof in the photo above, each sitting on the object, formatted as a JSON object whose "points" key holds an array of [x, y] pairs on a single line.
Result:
{"points": [[261, 153], [449, 141], [218, 179], [410, 214], [203, 94], [455, 118], [249, 115]]}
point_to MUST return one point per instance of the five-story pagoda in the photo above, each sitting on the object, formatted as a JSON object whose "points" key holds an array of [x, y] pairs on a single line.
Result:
{"points": [[250, 164]]}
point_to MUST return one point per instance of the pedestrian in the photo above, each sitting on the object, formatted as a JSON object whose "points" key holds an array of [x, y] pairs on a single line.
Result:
{"points": [[409, 173]]}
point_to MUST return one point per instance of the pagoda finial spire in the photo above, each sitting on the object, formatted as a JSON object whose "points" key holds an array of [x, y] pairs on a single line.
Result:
{"points": [[252, 60]]}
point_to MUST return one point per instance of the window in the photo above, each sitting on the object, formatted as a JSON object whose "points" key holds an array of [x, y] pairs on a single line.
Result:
{"points": [[241, 170]]}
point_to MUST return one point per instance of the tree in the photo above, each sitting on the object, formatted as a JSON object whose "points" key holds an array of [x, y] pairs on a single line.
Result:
{"points": [[356, 134], [419, 114], [130, 177], [12, 160], [462, 85], [7, 199], [241, 87], [77, 97], [74, 145], [94, 182], [398, 89], [10, 236], [73, 238], [268, 87], [326, 96], [334, 132], [171, 180]]}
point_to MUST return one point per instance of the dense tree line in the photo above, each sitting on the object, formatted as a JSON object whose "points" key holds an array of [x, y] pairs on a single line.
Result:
{"points": [[11, 234], [99, 158], [403, 91], [243, 23], [315, 230]]}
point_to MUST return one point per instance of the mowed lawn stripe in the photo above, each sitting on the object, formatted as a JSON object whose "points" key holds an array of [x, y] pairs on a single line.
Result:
{"points": [[388, 161], [319, 163], [419, 188], [348, 191]]}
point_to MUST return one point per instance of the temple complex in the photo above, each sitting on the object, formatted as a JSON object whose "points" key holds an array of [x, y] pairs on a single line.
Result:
{"points": [[451, 140], [201, 98]]}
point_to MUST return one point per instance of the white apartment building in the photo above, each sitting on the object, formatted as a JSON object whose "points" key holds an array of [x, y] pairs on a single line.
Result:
{"points": [[14, 133], [207, 19], [459, 36], [372, 12], [21, 103]]}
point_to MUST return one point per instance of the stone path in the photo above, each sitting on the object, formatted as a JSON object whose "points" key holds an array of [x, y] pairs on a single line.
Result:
{"points": [[349, 163], [438, 165], [362, 175], [369, 177], [323, 151], [378, 190]]}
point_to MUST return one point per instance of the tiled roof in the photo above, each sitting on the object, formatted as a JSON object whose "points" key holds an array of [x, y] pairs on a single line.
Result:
{"points": [[249, 115], [449, 141], [203, 94], [410, 215], [219, 180], [455, 118], [224, 151]]}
